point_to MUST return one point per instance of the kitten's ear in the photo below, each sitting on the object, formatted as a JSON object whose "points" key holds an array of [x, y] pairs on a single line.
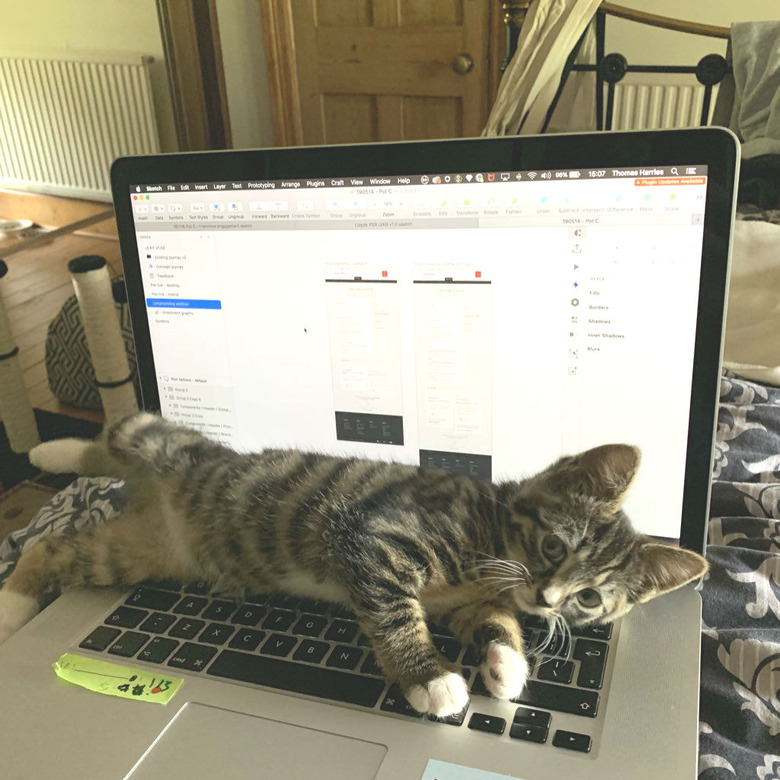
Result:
{"points": [[608, 471], [663, 568]]}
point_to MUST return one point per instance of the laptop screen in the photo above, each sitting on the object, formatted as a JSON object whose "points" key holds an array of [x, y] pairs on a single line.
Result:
{"points": [[484, 322]]}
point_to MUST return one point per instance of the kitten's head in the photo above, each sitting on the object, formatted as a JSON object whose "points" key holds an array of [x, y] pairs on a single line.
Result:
{"points": [[586, 562]]}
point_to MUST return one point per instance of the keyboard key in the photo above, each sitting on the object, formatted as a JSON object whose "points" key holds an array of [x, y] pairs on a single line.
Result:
{"points": [[556, 670], [532, 717], [219, 610], [216, 634], [128, 644], [193, 657], [284, 601], [151, 598], [278, 644], [599, 631], [200, 588], [249, 615], [370, 666], [593, 660], [172, 585], [453, 720], [187, 628], [344, 657], [478, 688], [340, 611], [313, 606], [190, 605], [396, 702], [440, 630], [557, 697], [342, 631], [100, 638], [471, 656], [534, 621], [247, 639], [363, 641], [157, 623], [310, 625], [311, 652], [158, 650], [489, 723], [557, 646], [528, 733], [125, 617], [332, 684], [279, 620], [256, 598], [571, 740], [449, 648]]}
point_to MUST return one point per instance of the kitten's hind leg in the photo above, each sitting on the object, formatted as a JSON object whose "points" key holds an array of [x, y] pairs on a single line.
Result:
{"points": [[126, 551], [79, 456]]}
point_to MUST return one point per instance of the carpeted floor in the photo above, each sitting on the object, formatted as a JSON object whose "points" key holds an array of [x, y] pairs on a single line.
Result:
{"points": [[15, 468]]}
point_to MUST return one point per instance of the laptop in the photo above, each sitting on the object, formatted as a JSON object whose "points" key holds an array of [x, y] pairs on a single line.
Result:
{"points": [[482, 306]]}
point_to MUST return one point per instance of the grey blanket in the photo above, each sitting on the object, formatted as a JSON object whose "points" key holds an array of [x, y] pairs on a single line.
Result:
{"points": [[753, 91]]}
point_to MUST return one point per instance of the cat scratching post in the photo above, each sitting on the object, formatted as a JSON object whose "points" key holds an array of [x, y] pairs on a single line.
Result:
{"points": [[15, 407], [113, 377]]}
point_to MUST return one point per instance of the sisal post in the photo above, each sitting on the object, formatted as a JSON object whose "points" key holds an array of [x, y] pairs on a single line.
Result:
{"points": [[113, 376], [15, 407]]}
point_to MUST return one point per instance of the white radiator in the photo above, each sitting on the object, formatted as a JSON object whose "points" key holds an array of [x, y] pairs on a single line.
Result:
{"points": [[65, 119], [648, 106]]}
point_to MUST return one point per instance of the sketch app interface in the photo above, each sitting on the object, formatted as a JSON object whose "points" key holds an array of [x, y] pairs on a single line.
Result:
{"points": [[482, 327]]}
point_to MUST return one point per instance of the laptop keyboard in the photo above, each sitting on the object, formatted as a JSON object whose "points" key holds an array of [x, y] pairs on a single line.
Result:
{"points": [[316, 648]]}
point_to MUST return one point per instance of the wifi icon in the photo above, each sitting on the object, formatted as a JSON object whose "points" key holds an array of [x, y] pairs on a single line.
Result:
{"points": [[531, 175]]}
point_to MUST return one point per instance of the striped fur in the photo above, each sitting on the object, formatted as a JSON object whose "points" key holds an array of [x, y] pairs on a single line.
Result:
{"points": [[399, 545]]}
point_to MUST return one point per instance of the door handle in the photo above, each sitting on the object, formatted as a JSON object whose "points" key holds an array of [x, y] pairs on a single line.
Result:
{"points": [[462, 64]]}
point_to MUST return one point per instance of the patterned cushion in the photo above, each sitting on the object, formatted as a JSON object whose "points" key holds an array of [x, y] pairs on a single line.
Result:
{"points": [[68, 362]]}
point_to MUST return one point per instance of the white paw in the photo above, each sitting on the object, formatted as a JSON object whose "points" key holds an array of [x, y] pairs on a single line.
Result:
{"points": [[58, 457], [15, 610], [442, 696], [504, 671]]}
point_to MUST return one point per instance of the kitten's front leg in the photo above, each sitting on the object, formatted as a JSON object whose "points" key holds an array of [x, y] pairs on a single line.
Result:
{"points": [[499, 640], [405, 651]]}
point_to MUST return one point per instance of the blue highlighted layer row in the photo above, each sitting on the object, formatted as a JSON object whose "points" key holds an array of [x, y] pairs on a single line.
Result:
{"points": [[182, 303]]}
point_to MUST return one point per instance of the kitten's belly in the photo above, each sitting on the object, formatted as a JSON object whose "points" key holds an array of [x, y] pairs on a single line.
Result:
{"points": [[302, 584]]}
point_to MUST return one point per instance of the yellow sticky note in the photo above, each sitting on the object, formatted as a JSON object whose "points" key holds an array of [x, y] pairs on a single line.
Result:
{"points": [[115, 680]]}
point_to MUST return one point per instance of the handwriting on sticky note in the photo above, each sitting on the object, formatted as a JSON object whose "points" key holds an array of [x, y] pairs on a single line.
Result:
{"points": [[115, 680]]}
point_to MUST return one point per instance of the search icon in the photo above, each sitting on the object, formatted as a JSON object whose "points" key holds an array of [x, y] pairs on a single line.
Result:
{"points": [[674, 171]]}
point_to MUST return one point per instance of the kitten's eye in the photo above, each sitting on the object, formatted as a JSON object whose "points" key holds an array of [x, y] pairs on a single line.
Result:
{"points": [[589, 598], [553, 548]]}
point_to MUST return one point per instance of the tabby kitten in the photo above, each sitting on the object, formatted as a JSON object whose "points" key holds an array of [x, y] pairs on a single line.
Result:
{"points": [[396, 544]]}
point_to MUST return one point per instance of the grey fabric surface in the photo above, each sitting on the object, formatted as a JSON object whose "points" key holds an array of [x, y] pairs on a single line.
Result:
{"points": [[755, 109]]}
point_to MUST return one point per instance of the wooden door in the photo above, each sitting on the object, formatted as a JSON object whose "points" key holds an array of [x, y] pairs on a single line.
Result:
{"points": [[345, 71]]}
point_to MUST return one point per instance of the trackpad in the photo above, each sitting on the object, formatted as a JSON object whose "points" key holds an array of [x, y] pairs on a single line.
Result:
{"points": [[203, 741]]}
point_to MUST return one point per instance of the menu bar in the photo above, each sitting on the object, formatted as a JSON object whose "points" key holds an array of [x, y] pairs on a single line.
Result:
{"points": [[581, 174]]}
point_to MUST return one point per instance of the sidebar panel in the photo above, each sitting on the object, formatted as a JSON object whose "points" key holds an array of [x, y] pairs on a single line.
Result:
{"points": [[365, 348], [453, 325]]}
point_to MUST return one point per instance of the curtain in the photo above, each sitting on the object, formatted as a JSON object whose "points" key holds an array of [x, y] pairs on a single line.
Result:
{"points": [[549, 33]]}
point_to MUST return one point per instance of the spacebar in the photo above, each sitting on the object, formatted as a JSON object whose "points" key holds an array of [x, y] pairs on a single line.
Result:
{"points": [[298, 678]]}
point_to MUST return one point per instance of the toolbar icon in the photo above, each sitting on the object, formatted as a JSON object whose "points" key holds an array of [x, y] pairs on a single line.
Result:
{"points": [[469, 177], [424, 179], [531, 175], [504, 177]]}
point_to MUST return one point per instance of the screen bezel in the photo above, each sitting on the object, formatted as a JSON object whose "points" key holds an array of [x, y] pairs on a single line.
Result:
{"points": [[716, 148]]}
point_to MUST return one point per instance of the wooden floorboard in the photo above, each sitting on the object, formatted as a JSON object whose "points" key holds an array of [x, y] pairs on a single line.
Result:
{"points": [[37, 284]]}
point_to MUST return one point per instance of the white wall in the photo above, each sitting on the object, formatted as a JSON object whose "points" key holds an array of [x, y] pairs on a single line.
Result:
{"points": [[98, 25], [645, 45], [246, 78]]}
